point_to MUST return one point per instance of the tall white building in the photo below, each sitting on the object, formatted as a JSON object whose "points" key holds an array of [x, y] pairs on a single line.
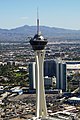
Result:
{"points": [[32, 74], [61, 80]]}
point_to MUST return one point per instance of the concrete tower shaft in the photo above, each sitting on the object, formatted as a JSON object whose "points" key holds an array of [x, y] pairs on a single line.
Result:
{"points": [[41, 109]]}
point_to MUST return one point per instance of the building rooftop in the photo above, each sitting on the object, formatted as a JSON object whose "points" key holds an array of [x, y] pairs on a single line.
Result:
{"points": [[75, 98]]}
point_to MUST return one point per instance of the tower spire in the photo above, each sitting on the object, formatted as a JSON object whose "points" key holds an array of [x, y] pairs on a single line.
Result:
{"points": [[37, 22]]}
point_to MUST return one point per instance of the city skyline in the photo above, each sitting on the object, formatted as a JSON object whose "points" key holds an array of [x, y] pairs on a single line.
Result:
{"points": [[53, 13]]}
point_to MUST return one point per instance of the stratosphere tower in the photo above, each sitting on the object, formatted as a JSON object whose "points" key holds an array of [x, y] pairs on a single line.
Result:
{"points": [[38, 44]]}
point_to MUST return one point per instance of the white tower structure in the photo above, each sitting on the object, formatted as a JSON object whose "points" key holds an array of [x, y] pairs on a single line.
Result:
{"points": [[38, 44]]}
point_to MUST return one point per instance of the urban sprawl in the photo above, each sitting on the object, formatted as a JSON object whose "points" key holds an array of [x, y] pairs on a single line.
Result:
{"points": [[61, 80]]}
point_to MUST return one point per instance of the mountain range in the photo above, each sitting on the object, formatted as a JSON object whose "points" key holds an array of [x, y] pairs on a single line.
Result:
{"points": [[51, 33]]}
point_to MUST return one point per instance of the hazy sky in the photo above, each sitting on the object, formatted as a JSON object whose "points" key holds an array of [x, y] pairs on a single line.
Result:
{"points": [[55, 13]]}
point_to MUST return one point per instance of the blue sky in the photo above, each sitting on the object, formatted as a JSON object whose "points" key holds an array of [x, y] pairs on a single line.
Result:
{"points": [[54, 13]]}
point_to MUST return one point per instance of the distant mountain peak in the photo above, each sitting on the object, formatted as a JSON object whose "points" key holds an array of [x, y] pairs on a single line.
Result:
{"points": [[21, 33]]}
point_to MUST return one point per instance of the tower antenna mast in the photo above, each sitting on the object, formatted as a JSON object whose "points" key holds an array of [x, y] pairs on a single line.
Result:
{"points": [[37, 22]]}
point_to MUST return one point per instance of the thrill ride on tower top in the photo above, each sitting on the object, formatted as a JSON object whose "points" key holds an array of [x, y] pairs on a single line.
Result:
{"points": [[38, 42]]}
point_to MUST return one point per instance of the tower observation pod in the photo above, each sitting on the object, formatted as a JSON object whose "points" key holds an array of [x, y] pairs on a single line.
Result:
{"points": [[38, 44]]}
